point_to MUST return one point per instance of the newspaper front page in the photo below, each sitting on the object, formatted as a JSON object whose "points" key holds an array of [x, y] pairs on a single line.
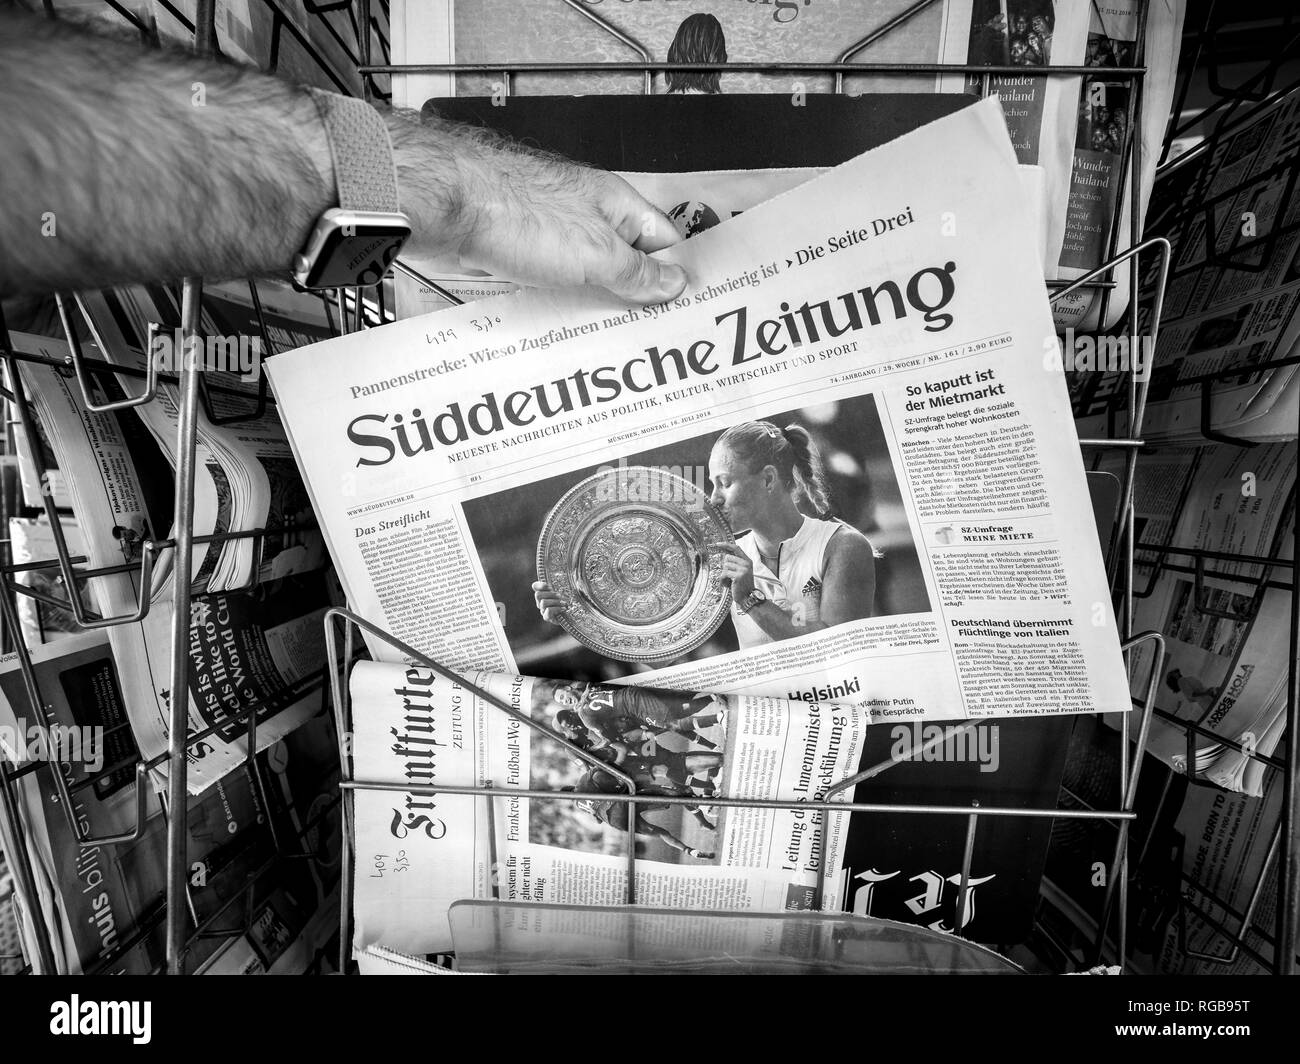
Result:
{"points": [[417, 854], [895, 313]]}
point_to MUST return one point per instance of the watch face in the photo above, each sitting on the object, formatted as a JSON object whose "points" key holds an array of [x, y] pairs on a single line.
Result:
{"points": [[353, 255]]}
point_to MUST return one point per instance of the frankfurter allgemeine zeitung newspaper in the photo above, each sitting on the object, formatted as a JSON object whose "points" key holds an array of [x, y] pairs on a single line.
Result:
{"points": [[416, 854], [840, 467]]}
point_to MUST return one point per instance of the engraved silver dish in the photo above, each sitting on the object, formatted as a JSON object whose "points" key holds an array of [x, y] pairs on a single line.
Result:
{"points": [[628, 551]]}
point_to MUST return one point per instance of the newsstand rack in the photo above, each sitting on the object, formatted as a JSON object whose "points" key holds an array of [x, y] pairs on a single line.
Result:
{"points": [[354, 310]]}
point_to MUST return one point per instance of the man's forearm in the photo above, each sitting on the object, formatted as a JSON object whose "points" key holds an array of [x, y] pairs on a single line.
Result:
{"points": [[122, 163]]}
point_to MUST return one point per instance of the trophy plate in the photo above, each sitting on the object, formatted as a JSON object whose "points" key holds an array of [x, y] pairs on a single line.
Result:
{"points": [[628, 551]]}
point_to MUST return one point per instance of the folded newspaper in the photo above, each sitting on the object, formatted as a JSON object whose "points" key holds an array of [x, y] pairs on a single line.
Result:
{"points": [[416, 854], [888, 314], [1233, 296], [262, 648], [1225, 630], [31, 540], [419, 853], [102, 903]]}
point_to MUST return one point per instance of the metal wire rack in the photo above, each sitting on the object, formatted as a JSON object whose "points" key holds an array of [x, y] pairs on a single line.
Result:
{"points": [[364, 312]]}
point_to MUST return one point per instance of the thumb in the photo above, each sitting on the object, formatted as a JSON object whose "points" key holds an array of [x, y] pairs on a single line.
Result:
{"points": [[636, 277]]}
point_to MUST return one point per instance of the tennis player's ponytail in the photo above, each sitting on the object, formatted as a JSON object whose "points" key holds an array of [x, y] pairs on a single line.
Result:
{"points": [[806, 469], [791, 451]]}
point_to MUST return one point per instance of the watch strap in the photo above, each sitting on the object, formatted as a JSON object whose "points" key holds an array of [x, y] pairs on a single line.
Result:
{"points": [[364, 171]]}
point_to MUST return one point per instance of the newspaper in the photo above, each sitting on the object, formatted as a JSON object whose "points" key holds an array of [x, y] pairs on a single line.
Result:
{"points": [[1227, 849], [695, 202], [248, 480], [1226, 634], [1233, 296], [32, 540], [262, 648], [92, 899], [38, 472], [1100, 194], [95, 900], [416, 854], [1204, 851], [433, 452]]}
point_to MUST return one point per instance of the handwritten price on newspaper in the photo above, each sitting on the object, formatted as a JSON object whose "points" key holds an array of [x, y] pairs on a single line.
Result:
{"points": [[400, 863]]}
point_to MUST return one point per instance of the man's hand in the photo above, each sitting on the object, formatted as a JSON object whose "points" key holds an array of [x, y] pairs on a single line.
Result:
{"points": [[152, 165], [528, 216]]}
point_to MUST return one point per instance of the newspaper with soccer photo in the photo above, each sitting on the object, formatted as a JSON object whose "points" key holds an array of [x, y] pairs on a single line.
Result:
{"points": [[836, 468]]}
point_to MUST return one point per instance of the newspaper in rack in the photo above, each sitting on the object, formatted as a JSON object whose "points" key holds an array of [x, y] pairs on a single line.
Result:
{"points": [[416, 854], [258, 648], [893, 309], [1225, 630]]}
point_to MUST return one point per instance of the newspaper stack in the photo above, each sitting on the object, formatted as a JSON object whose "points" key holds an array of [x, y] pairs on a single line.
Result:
{"points": [[101, 904], [260, 648], [1233, 297], [1226, 635]]}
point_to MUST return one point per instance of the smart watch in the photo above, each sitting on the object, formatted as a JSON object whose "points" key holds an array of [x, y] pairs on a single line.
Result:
{"points": [[354, 243], [753, 599]]}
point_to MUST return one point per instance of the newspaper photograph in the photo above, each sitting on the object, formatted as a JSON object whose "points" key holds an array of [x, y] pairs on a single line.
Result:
{"points": [[417, 854], [959, 570]]}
